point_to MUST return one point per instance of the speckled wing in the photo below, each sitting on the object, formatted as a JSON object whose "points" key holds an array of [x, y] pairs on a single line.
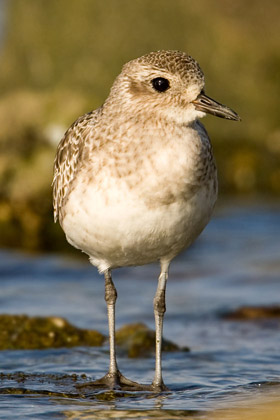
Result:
{"points": [[67, 160]]}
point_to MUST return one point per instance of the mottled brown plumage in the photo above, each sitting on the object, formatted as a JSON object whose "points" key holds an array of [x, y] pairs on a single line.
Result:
{"points": [[135, 181], [69, 156]]}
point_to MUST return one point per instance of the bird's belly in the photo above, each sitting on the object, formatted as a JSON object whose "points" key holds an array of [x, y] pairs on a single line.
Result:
{"points": [[120, 230]]}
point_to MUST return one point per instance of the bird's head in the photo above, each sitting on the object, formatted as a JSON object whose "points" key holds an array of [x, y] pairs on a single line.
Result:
{"points": [[169, 84]]}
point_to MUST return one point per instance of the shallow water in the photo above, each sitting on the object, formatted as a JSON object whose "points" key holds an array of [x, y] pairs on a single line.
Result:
{"points": [[235, 262]]}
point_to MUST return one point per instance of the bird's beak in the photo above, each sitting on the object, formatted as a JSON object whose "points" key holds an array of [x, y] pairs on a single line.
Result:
{"points": [[205, 104]]}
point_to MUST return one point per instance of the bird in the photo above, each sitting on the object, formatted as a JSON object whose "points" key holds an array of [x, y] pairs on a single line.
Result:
{"points": [[135, 181]]}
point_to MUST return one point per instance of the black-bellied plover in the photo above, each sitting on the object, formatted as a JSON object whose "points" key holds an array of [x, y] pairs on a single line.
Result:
{"points": [[135, 180]]}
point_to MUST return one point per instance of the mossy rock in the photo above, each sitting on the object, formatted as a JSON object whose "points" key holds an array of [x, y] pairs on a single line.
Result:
{"points": [[139, 341], [22, 332], [19, 332]]}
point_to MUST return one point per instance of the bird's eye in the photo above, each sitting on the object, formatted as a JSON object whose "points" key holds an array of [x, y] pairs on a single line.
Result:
{"points": [[160, 84]]}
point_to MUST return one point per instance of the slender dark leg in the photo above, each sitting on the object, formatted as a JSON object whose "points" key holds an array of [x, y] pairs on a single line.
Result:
{"points": [[159, 310]]}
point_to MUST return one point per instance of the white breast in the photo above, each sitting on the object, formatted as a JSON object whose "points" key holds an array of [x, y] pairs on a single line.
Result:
{"points": [[120, 223]]}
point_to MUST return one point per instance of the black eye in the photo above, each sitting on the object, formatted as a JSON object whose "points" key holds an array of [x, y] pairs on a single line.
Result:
{"points": [[160, 84]]}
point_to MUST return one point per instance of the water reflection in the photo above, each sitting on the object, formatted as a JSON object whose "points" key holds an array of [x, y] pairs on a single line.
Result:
{"points": [[140, 415]]}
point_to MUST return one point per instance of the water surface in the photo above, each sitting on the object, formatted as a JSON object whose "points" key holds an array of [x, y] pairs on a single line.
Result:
{"points": [[235, 262]]}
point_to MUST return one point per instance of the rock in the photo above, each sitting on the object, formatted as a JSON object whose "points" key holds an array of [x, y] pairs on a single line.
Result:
{"points": [[254, 313], [137, 340], [24, 332]]}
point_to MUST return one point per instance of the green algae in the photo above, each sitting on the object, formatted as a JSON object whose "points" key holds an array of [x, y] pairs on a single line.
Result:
{"points": [[20, 332], [21, 383]]}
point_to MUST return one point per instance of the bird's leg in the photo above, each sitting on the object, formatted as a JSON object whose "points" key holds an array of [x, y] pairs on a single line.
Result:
{"points": [[114, 379], [111, 379], [110, 298], [159, 310]]}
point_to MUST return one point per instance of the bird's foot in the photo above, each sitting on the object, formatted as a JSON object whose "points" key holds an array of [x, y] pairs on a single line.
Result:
{"points": [[117, 381]]}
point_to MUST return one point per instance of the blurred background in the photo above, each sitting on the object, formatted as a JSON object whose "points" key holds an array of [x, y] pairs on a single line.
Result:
{"points": [[60, 57]]}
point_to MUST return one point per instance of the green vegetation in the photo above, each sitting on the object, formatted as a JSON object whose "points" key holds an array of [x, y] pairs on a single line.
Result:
{"points": [[59, 58]]}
